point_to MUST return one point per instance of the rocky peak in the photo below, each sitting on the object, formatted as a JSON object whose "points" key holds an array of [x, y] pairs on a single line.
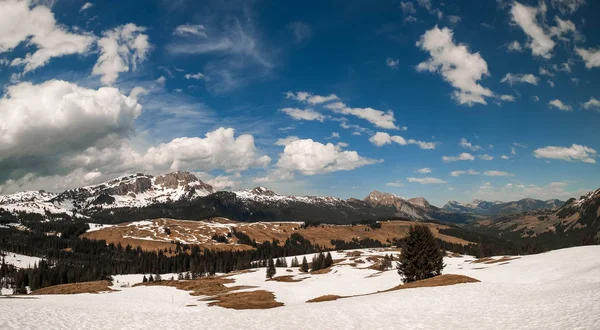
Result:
{"points": [[262, 191], [185, 180], [419, 201]]}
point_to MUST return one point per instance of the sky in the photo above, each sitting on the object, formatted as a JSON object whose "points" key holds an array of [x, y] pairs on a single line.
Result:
{"points": [[494, 100]]}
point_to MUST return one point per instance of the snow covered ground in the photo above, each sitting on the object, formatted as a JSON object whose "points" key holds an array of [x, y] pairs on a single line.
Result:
{"points": [[555, 290], [19, 260]]}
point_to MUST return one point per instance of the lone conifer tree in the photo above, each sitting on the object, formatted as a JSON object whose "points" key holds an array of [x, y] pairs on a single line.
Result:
{"points": [[271, 269], [421, 257], [304, 266]]}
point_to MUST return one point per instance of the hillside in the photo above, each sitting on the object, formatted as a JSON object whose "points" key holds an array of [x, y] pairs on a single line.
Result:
{"points": [[159, 234], [556, 290]]}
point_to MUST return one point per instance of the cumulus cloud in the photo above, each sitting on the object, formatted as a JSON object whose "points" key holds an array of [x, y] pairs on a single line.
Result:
{"points": [[382, 138], [591, 57], [497, 173], [426, 180], [383, 119], [504, 157], [303, 114], [546, 72], [196, 76], [459, 173], [486, 157], [35, 25], [190, 30], [468, 145], [86, 6], [514, 78], [392, 63], [462, 156], [219, 149], [507, 98], [560, 105], [567, 7], [540, 43], [575, 152], [424, 170], [310, 158], [592, 104], [121, 48], [459, 67], [285, 141]]}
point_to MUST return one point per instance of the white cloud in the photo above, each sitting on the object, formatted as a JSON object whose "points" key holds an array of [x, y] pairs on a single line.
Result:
{"points": [[504, 157], [468, 145], [592, 104], [497, 173], [66, 118], [302, 31], [121, 48], [486, 157], [507, 98], [591, 57], [37, 27], [535, 98], [381, 138], [161, 81], [424, 170], [512, 79], [310, 158], [459, 173], [567, 6], [86, 6], [514, 46], [220, 149], [551, 83], [560, 105], [541, 44], [511, 192], [426, 180], [396, 183], [334, 135], [546, 72], [456, 64], [575, 152], [310, 98], [190, 30], [196, 76], [306, 114], [287, 140], [462, 156], [453, 19], [383, 119], [392, 63]]}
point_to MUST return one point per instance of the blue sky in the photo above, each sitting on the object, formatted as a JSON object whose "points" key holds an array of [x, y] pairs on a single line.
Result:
{"points": [[451, 101]]}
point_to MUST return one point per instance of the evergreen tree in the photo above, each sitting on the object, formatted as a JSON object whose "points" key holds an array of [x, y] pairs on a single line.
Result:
{"points": [[187, 276], [150, 278], [271, 269], [304, 265], [295, 262], [144, 280], [180, 276], [157, 277], [421, 257], [328, 260]]}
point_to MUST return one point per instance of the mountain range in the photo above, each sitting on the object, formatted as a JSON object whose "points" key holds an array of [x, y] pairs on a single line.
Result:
{"points": [[181, 195]]}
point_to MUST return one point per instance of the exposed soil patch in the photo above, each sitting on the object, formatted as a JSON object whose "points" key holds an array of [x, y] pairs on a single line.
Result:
{"points": [[329, 297], [75, 288], [208, 286], [286, 278], [502, 260], [321, 271], [259, 299]]}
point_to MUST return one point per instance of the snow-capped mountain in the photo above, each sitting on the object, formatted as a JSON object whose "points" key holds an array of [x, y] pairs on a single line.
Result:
{"points": [[496, 208], [132, 191]]}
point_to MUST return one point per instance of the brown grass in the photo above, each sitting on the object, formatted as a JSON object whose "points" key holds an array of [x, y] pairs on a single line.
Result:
{"points": [[208, 286], [502, 260], [441, 280], [286, 278], [75, 288], [328, 297], [198, 231], [321, 271], [259, 299]]}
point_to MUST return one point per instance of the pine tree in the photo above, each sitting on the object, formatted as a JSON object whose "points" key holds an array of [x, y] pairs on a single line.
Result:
{"points": [[144, 280], [304, 265], [271, 269], [151, 278], [180, 276], [328, 260], [421, 257], [295, 262]]}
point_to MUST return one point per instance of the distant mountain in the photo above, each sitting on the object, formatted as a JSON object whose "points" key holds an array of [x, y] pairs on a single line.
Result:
{"points": [[486, 208], [180, 195], [576, 222]]}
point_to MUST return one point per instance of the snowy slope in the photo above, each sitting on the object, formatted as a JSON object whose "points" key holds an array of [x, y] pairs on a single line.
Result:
{"points": [[554, 290]]}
